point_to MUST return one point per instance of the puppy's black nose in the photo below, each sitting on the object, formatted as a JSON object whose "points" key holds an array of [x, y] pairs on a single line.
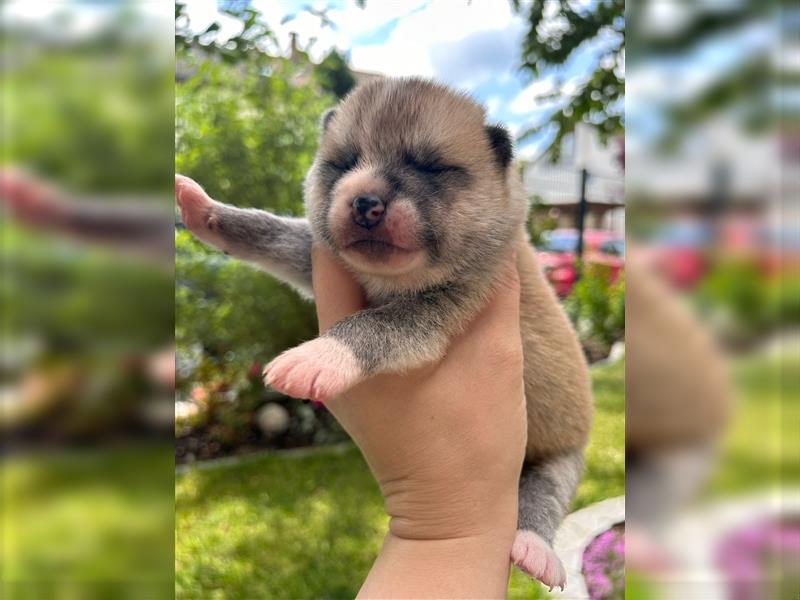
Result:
{"points": [[368, 210]]}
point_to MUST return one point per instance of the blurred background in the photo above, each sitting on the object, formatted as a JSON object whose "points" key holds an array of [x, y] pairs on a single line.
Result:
{"points": [[713, 461], [86, 368], [252, 81]]}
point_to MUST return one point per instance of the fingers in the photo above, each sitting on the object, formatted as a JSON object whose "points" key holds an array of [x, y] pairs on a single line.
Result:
{"points": [[336, 291]]}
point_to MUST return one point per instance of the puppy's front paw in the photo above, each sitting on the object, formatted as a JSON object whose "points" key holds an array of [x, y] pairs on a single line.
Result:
{"points": [[317, 370], [536, 558], [197, 210]]}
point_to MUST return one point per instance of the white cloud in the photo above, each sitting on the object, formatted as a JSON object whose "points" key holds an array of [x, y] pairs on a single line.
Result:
{"points": [[532, 96], [203, 13], [407, 51], [68, 20], [350, 22], [375, 14], [422, 26]]}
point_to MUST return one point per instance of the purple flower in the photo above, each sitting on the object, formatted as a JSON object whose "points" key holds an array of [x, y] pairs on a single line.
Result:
{"points": [[604, 565], [757, 557]]}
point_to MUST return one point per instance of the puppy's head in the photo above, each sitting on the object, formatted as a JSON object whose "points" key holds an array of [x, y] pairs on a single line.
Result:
{"points": [[410, 185]]}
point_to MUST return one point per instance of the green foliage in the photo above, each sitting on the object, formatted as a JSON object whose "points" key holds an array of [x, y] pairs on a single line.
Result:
{"points": [[741, 90], [80, 300], [744, 303], [235, 313], [249, 140], [556, 30], [253, 38], [538, 224], [597, 307], [109, 138], [334, 75], [310, 527], [92, 116], [247, 132]]}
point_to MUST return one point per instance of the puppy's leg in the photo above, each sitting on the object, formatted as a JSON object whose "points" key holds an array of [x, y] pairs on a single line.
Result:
{"points": [[142, 227], [402, 334], [279, 245], [546, 489]]}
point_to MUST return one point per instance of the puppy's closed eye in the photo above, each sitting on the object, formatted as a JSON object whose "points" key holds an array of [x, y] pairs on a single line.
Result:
{"points": [[343, 158], [429, 165], [343, 163]]}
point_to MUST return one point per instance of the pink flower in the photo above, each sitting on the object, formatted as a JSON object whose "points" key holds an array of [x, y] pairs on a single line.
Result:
{"points": [[604, 565], [748, 554], [199, 394]]}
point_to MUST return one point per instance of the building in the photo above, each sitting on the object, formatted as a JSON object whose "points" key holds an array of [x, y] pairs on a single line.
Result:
{"points": [[555, 188]]}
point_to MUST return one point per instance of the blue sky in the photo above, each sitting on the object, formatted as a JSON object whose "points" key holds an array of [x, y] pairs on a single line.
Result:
{"points": [[471, 45]]}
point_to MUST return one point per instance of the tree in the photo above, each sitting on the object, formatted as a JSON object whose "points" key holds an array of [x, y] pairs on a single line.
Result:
{"points": [[556, 30], [255, 36], [744, 87], [334, 75]]}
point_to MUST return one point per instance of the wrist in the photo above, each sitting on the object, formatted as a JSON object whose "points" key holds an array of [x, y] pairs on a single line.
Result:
{"points": [[450, 510], [472, 566]]}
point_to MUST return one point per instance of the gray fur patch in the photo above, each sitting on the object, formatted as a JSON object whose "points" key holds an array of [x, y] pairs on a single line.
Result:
{"points": [[280, 245], [546, 489], [407, 331]]}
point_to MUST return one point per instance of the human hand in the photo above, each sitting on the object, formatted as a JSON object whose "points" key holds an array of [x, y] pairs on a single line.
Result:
{"points": [[445, 443]]}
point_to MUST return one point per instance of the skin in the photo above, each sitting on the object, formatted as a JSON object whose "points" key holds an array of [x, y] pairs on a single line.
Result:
{"points": [[452, 495]]}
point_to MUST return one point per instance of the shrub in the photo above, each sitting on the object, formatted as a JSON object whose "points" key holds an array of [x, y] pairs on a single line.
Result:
{"points": [[247, 132], [597, 309]]}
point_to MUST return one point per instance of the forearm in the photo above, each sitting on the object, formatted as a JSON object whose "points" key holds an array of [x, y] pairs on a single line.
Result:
{"points": [[456, 548], [279, 245], [407, 332]]}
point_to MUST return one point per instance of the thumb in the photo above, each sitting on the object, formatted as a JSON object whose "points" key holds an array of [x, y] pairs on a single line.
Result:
{"points": [[336, 292]]}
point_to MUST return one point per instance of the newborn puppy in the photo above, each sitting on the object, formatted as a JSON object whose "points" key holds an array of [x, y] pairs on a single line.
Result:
{"points": [[417, 195]]}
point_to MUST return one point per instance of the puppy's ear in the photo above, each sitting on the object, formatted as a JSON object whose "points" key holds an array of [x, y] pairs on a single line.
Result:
{"points": [[326, 118], [501, 143]]}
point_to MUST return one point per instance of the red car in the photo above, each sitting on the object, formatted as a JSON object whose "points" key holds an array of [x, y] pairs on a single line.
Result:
{"points": [[558, 250]]}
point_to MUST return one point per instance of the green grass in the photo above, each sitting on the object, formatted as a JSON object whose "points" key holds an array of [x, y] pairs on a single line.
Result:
{"points": [[310, 527], [761, 447], [94, 523], [278, 528]]}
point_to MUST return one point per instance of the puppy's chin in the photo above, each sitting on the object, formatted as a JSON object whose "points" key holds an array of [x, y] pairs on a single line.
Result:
{"points": [[380, 259]]}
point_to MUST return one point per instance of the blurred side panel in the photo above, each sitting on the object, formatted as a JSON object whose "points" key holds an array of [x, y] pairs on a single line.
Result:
{"points": [[87, 361], [713, 304]]}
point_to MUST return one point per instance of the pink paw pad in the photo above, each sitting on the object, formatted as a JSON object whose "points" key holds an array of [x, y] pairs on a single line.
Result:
{"points": [[196, 206], [317, 370], [536, 558]]}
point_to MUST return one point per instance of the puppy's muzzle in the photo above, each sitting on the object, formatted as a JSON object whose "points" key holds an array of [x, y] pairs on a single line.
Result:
{"points": [[367, 211]]}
